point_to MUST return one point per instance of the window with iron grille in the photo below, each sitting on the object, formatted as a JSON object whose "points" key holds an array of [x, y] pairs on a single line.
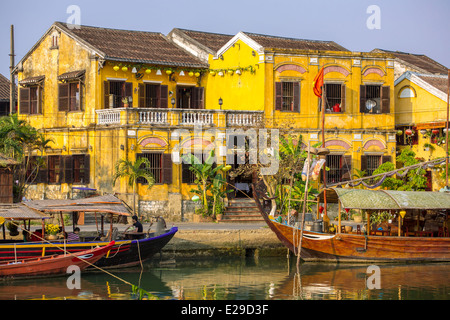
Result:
{"points": [[115, 92], [335, 96], [155, 168], [373, 162], [340, 168], [374, 99], [287, 96]]}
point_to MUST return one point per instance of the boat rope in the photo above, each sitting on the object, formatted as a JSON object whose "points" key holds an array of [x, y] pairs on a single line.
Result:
{"points": [[139, 253], [134, 287]]}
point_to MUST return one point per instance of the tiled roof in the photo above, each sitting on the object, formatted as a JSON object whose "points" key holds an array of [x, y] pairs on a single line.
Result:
{"points": [[421, 62], [134, 46], [213, 41], [440, 82], [291, 43], [4, 88]]}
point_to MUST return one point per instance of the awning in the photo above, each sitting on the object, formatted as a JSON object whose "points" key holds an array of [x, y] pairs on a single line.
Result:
{"points": [[32, 80], [18, 211], [7, 161], [387, 199], [72, 75], [101, 204]]}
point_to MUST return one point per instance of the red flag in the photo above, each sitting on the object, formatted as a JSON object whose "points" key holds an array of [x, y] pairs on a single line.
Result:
{"points": [[318, 83]]}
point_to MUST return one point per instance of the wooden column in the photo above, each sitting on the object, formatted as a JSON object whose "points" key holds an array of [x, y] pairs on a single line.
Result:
{"points": [[339, 217]]}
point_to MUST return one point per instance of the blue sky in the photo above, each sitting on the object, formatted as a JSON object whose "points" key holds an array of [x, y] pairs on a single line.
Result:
{"points": [[405, 25]]}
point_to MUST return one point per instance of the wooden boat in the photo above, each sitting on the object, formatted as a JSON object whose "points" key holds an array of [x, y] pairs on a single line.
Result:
{"points": [[351, 247], [124, 253], [52, 265]]}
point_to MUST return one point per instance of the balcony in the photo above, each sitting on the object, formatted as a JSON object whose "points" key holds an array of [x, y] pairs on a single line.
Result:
{"points": [[179, 117]]}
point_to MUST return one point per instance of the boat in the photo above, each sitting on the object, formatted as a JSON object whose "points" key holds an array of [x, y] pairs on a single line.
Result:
{"points": [[125, 253], [371, 245], [53, 265]]}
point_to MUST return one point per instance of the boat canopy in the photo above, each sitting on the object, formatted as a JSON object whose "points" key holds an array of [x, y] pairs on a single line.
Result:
{"points": [[18, 211], [105, 204], [387, 199]]}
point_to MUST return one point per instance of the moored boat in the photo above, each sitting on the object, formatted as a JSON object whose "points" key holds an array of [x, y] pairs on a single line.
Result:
{"points": [[129, 250], [52, 265], [367, 246]]}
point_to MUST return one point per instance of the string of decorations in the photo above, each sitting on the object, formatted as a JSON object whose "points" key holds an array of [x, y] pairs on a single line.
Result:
{"points": [[141, 68]]}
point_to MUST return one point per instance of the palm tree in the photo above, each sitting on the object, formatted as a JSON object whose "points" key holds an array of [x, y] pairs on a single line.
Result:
{"points": [[133, 171]]}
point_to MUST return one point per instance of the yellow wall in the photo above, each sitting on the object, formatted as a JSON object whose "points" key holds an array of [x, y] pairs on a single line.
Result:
{"points": [[425, 111]]}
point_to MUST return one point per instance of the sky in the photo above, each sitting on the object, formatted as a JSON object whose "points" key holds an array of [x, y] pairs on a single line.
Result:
{"points": [[420, 27]]}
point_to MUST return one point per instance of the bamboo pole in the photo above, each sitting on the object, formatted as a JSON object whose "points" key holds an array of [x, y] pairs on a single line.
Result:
{"points": [[339, 216], [304, 207], [446, 132]]}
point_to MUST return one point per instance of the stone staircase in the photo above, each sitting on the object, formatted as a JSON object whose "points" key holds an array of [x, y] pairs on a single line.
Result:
{"points": [[242, 210]]}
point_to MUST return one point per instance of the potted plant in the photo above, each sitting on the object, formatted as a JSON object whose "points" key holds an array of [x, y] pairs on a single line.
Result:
{"points": [[12, 228], [52, 230], [125, 102]]}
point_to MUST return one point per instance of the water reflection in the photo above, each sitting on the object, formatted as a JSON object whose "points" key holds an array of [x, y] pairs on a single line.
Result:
{"points": [[245, 279]]}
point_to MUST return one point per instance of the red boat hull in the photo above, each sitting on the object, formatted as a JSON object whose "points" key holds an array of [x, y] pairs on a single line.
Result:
{"points": [[52, 265]]}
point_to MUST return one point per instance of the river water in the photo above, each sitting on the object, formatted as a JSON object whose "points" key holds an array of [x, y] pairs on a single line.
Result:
{"points": [[245, 279]]}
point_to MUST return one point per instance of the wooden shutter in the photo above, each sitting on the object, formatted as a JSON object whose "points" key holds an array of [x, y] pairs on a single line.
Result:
{"points": [[106, 94], [197, 95], [385, 99], [386, 159], [278, 95], [167, 168], [343, 89], [346, 168], [42, 176], [24, 100], [364, 163], [362, 99], [63, 96], [68, 169], [164, 95], [87, 169], [296, 97], [141, 102], [128, 93]]}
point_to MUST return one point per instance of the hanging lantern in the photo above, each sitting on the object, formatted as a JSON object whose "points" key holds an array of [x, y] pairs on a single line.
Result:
{"points": [[191, 74], [158, 73], [408, 132], [402, 213], [399, 132], [213, 73], [169, 72], [124, 69], [435, 131], [347, 210], [197, 74], [148, 71], [321, 209], [116, 68]]}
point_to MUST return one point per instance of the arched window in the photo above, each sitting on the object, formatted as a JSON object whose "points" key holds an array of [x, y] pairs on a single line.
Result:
{"points": [[407, 92]]}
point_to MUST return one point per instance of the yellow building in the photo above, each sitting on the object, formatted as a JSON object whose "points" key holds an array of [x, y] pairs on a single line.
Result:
{"points": [[275, 75], [421, 117], [104, 95]]}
